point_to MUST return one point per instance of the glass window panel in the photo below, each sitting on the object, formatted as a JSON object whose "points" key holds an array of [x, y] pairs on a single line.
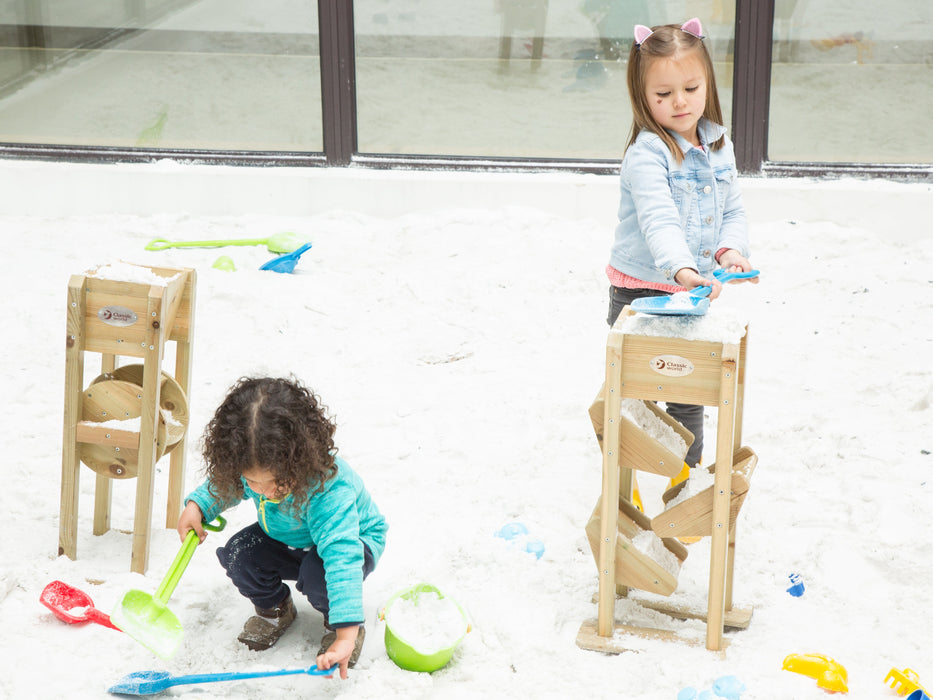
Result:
{"points": [[187, 74], [852, 82], [510, 78]]}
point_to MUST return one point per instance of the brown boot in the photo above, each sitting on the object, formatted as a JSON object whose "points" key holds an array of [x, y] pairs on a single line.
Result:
{"points": [[264, 628], [331, 636]]}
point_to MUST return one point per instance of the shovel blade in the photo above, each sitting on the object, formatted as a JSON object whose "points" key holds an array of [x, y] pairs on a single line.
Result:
{"points": [[680, 304], [142, 683], [149, 622], [286, 263]]}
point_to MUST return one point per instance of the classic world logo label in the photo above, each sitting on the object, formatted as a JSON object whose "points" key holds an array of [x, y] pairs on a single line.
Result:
{"points": [[117, 315], [671, 365]]}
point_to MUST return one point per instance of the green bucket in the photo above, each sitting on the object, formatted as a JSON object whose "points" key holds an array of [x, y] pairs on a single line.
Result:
{"points": [[404, 652]]}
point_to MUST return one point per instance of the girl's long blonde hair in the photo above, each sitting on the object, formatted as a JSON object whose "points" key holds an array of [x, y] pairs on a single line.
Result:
{"points": [[667, 41]]}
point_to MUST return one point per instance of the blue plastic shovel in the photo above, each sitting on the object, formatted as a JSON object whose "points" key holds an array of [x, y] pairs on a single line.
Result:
{"points": [[287, 262], [692, 303], [152, 682]]}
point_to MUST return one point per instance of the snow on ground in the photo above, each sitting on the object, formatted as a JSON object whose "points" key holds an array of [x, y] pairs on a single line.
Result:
{"points": [[459, 350]]}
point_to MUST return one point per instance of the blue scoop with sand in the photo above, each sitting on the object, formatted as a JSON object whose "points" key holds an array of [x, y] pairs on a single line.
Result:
{"points": [[692, 303]]}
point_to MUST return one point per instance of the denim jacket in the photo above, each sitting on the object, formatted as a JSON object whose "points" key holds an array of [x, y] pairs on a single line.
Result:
{"points": [[675, 216]]}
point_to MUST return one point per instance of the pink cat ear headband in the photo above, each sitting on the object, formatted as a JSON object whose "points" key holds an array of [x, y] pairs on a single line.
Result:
{"points": [[691, 26]]}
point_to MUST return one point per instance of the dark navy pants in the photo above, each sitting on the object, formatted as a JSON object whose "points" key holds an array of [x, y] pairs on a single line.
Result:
{"points": [[688, 415], [259, 565]]}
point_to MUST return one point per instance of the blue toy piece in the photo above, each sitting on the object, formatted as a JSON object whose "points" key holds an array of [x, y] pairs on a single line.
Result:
{"points": [[286, 263], [796, 585], [510, 531], [692, 694], [728, 687], [516, 533], [918, 694]]}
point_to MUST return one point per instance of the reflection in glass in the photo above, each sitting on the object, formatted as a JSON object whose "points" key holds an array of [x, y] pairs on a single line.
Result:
{"points": [[509, 78], [852, 82], [188, 74]]}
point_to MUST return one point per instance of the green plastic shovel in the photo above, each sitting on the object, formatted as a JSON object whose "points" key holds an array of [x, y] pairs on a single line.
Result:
{"points": [[146, 618], [287, 242]]}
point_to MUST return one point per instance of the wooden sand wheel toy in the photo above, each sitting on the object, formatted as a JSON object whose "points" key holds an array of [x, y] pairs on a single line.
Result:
{"points": [[130, 416], [694, 360]]}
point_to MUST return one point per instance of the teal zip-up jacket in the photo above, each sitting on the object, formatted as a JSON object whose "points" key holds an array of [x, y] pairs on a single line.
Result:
{"points": [[336, 521]]}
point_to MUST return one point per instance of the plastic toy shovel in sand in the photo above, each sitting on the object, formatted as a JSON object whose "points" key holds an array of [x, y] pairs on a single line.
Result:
{"points": [[286, 263], [692, 303], [73, 606], [277, 243], [829, 674], [151, 682], [146, 618]]}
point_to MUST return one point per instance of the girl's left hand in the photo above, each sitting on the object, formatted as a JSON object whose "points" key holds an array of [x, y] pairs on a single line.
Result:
{"points": [[734, 261]]}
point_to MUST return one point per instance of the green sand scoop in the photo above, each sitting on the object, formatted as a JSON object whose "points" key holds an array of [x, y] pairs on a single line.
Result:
{"points": [[279, 243], [146, 618]]}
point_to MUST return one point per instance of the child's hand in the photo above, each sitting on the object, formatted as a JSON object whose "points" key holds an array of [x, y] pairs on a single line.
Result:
{"points": [[340, 651], [190, 519], [690, 278], [734, 261]]}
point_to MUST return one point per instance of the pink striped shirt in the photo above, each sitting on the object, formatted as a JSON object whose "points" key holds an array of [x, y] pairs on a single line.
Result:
{"points": [[620, 279]]}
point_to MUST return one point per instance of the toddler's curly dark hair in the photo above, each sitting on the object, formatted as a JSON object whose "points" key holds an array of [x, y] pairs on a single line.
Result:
{"points": [[274, 424]]}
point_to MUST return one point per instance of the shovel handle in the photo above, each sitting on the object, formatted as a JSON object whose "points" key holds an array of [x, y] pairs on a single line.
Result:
{"points": [[164, 243], [167, 587], [723, 276], [101, 618]]}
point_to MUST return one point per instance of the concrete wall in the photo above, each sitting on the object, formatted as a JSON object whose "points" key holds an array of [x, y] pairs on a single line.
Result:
{"points": [[56, 189]]}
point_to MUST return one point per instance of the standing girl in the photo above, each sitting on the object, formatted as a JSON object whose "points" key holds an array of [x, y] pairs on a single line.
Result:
{"points": [[270, 442], [681, 212]]}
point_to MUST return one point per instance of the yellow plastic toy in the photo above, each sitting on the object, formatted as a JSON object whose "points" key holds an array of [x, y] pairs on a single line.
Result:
{"points": [[903, 682], [829, 674]]}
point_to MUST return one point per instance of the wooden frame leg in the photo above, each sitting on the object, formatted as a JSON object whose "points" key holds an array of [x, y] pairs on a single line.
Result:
{"points": [[176, 475], [148, 437], [722, 487], [103, 486], [74, 380], [609, 503]]}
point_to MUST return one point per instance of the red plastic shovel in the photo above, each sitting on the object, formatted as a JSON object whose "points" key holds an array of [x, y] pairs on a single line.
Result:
{"points": [[73, 606]]}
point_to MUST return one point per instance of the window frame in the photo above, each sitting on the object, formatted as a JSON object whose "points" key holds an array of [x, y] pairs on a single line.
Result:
{"points": [[754, 23]]}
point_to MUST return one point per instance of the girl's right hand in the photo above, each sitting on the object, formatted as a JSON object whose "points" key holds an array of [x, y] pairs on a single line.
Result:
{"points": [[190, 519]]}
